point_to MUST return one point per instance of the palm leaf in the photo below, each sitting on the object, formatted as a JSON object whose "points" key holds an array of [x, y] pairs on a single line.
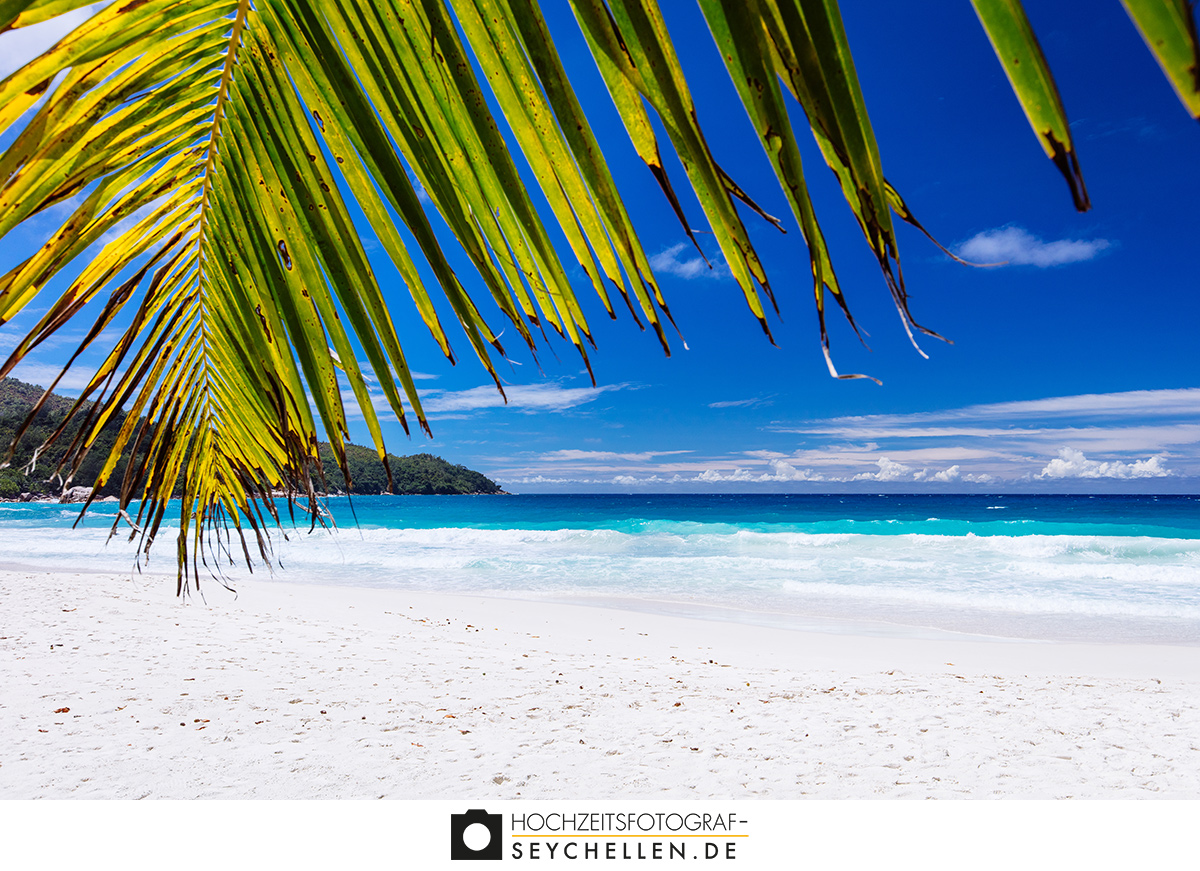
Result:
{"points": [[1169, 28], [210, 157], [1021, 56]]}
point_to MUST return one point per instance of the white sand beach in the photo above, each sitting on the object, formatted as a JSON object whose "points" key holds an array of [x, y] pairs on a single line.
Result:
{"points": [[112, 688]]}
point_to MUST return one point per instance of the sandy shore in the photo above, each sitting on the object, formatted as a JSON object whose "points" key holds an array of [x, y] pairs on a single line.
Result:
{"points": [[110, 688]]}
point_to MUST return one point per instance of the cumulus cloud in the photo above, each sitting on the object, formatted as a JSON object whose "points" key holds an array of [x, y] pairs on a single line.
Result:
{"points": [[889, 470], [542, 479], [948, 475], [779, 472], [954, 474], [1071, 463], [782, 471], [1133, 436], [1014, 439], [630, 481], [1016, 246], [671, 263], [713, 476]]}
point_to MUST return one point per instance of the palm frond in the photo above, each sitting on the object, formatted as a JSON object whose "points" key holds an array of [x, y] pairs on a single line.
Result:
{"points": [[1169, 28], [1021, 56], [212, 156]]}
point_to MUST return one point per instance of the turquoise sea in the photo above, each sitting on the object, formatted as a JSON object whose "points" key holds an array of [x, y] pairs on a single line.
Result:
{"points": [[1117, 568]]}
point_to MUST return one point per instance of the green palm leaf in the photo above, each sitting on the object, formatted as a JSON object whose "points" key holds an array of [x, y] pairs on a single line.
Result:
{"points": [[212, 155], [1169, 28], [1017, 48]]}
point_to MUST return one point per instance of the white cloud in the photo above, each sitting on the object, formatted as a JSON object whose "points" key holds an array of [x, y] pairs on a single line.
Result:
{"points": [[19, 47], [995, 442], [714, 476], [1183, 402], [458, 404], [780, 472], [542, 479], [783, 471], [527, 397], [954, 474], [1016, 246], [15, 334], [368, 373], [123, 226], [1132, 433], [1072, 463], [948, 475], [630, 481], [43, 375], [889, 470], [887, 430], [572, 455], [419, 190], [669, 261], [1010, 439], [738, 403]]}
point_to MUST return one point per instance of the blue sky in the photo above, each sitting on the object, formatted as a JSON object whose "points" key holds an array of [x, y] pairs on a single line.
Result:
{"points": [[1073, 367]]}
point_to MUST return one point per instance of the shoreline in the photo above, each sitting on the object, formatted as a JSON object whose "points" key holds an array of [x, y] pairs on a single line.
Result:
{"points": [[295, 690], [986, 626], [877, 566]]}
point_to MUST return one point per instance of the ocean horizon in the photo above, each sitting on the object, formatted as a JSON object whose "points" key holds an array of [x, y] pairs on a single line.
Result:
{"points": [[1044, 567]]}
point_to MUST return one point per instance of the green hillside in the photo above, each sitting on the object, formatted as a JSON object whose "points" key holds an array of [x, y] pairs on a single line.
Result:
{"points": [[420, 474], [416, 475]]}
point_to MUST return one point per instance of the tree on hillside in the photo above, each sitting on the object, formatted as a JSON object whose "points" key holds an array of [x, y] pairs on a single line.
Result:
{"points": [[420, 474], [216, 150]]}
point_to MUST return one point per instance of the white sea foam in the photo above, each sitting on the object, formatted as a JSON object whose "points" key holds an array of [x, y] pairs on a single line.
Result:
{"points": [[1032, 584]]}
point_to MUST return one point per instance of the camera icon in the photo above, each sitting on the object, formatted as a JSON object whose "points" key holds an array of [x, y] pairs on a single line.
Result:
{"points": [[476, 835]]}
